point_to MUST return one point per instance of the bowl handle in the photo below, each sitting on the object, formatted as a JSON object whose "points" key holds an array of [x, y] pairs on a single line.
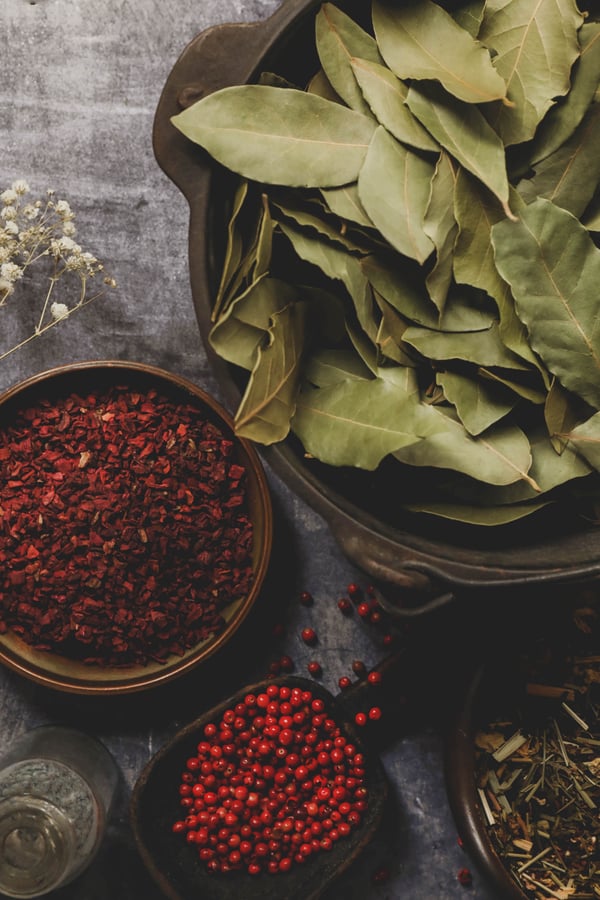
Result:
{"points": [[218, 57]]}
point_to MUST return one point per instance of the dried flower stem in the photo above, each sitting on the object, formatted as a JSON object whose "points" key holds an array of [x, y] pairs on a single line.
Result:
{"points": [[33, 231]]}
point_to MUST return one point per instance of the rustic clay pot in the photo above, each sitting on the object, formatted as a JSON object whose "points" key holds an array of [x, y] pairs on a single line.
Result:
{"points": [[397, 549]]}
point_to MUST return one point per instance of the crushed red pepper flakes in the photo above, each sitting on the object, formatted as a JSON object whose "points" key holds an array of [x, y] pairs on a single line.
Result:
{"points": [[124, 527]]}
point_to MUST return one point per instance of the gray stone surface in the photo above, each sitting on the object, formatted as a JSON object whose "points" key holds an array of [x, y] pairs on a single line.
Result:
{"points": [[79, 87]]}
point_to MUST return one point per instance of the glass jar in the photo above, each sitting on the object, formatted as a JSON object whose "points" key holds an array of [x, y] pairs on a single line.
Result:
{"points": [[56, 790]]}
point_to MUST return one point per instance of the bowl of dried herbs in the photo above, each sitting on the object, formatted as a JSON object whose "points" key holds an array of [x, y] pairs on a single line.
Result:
{"points": [[135, 527], [523, 761], [394, 258]]}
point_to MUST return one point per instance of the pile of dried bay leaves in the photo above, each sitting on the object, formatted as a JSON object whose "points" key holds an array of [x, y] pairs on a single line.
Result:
{"points": [[412, 268]]}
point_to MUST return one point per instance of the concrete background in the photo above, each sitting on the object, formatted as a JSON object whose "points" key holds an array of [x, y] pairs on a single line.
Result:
{"points": [[80, 80]]}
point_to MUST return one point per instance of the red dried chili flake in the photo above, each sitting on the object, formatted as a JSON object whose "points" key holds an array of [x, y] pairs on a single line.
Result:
{"points": [[465, 877], [124, 526]]}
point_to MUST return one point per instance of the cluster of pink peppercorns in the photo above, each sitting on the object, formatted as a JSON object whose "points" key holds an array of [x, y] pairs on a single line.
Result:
{"points": [[272, 783]]}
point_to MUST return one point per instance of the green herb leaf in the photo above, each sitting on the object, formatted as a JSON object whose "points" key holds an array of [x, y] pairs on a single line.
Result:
{"points": [[268, 403], [478, 515], [339, 38], [476, 212], [393, 282], [345, 203], [469, 16], [523, 386], [440, 225], [385, 95], [501, 456], [478, 403], [570, 175], [535, 44], [318, 224], [463, 131], [564, 117], [393, 186], [361, 420], [585, 438], [591, 217], [484, 348], [242, 329], [553, 268], [279, 136], [320, 85], [328, 367], [234, 247], [419, 40], [561, 413]]}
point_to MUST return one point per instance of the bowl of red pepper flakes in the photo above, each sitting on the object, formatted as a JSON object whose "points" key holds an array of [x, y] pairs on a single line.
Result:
{"points": [[135, 528]]}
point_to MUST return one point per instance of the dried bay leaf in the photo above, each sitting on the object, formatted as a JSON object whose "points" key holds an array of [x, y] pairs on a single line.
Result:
{"points": [[255, 258], [393, 187], [339, 38], [585, 439], [364, 345], [420, 40], [359, 422], [318, 223], [476, 211], [338, 265], [233, 248], [535, 44], [394, 282], [570, 175], [241, 330], [279, 136], [268, 403], [591, 216], [561, 413], [390, 334], [389, 349], [478, 515], [344, 202], [549, 470], [385, 94], [327, 367], [523, 387], [553, 268], [440, 226], [469, 16], [500, 456], [484, 348], [463, 131], [564, 117], [320, 85], [478, 403]]}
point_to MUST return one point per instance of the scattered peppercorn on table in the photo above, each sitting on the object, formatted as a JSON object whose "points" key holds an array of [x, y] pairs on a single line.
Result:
{"points": [[80, 88]]}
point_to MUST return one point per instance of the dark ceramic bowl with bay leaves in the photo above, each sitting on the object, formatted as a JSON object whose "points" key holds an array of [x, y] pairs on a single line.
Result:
{"points": [[102, 539], [397, 547]]}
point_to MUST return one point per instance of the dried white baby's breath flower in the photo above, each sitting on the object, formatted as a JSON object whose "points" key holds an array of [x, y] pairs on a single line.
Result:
{"points": [[20, 187], [63, 210], [8, 196], [59, 311], [41, 231]]}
